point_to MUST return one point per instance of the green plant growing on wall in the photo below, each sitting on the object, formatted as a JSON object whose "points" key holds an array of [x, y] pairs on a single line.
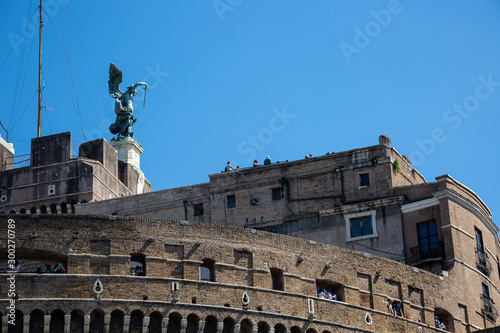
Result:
{"points": [[375, 160], [396, 165]]}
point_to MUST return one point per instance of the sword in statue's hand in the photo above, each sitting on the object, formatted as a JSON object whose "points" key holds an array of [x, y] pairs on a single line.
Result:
{"points": [[145, 90]]}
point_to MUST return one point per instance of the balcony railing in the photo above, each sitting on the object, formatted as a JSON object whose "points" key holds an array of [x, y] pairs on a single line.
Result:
{"points": [[488, 309], [17, 161], [426, 252], [482, 262]]}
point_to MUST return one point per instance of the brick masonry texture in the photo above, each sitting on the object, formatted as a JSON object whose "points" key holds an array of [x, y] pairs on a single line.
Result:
{"points": [[173, 252]]}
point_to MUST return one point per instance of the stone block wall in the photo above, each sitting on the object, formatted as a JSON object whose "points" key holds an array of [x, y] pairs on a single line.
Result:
{"points": [[244, 260]]}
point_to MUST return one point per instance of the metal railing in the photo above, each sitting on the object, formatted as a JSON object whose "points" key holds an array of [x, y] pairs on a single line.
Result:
{"points": [[488, 309], [482, 262], [426, 252], [18, 161]]}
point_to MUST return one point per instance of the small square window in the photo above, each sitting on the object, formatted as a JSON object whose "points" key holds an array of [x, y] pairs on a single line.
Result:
{"points": [[198, 209], [276, 194], [364, 179], [231, 201]]}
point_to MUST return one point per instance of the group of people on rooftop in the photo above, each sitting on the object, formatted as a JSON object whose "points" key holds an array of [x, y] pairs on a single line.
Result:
{"points": [[267, 161]]}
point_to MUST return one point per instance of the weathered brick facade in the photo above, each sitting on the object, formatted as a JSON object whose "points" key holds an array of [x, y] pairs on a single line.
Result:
{"points": [[218, 256], [94, 248]]}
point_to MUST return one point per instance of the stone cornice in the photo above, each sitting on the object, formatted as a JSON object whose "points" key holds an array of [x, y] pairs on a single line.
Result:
{"points": [[418, 205], [469, 205], [358, 207]]}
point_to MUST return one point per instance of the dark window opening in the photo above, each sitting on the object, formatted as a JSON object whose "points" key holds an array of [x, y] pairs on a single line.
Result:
{"points": [[136, 321], [330, 290], [231, 201], [207, 270], [278, 280], [479, 244], [198, 209], [364, 179], [138, 264], [361, 226], [428, 240], [276, 194]]}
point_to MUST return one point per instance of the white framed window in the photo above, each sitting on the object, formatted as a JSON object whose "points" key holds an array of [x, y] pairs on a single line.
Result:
{"points": [[360, 225]]}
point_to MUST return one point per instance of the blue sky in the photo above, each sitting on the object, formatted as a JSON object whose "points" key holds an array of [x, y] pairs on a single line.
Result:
{"points": [[234, 78]]}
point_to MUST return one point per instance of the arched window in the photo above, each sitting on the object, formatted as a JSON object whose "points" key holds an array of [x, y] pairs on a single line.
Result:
{"points": [[210, 324], [192, 323], [228, 326], [278, 280], [174, 323], [96, 321], [33, 211], [263, 327], [136, 319], [295, 329], [18, 327], [138, 264], [155, 319], [72, 206], [116, 322], [279, 328], [64, 208], [12, 211], [57, 322], [53, 208], [311, 330], [36, 321], [22, 211], [246, 326], [207, 270], [76, 323], [43, 209], [441, 316]]}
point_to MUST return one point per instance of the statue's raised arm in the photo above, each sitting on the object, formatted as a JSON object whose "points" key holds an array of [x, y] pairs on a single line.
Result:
{"points": [[124, 104]]}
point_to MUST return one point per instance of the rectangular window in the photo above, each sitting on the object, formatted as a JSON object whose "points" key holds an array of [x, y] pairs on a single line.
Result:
{"points": [[487, 302], [360, 225], [479, 244], [276, 194], [427, 239], [364, 179], [231, 201], [198, 209]]}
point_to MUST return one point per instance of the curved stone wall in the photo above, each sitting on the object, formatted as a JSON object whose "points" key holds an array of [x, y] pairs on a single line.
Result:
{"points": [[279, 275]]}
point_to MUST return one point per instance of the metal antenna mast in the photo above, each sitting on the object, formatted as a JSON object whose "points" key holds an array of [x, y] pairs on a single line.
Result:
{"points": [[39, 127]]}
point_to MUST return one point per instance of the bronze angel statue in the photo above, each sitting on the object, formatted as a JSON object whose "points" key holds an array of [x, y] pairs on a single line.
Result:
{"points": [[124, 104]]}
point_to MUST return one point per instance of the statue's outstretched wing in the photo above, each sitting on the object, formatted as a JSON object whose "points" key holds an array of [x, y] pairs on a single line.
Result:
{"points": [[115, 78]]}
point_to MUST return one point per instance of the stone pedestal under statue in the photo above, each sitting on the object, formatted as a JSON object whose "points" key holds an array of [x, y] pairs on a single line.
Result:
{"points": [[129, 151]]}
